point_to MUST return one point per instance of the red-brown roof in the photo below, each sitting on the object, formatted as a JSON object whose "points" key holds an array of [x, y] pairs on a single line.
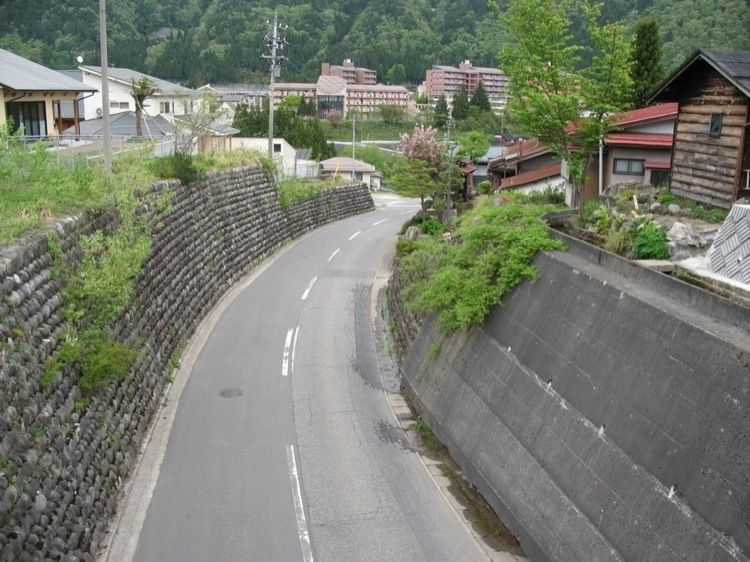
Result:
{"points": [[645, 114], [525, 149], [531, 176], [653, 165], [639, 139]]}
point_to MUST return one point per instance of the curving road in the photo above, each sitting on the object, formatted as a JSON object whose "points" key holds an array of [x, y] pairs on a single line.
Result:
{"points": [[278, 442]]}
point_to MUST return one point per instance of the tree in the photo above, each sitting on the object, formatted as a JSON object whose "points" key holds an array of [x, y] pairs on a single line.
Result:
{"points": [[391, 113], [424, 144], [648, 70], [140, 91], [396, 74], [460, 105], [480, 98], [200, 115], [472, 145], [440, 117], [567, 109], [414, 179]]}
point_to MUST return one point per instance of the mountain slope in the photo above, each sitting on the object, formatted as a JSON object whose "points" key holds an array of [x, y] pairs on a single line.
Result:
{"points": [[224, 40]]}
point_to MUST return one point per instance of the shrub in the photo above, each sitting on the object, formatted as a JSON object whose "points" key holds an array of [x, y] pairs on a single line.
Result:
{"points": [[462, 281], [104, 360], [650, 243], [432, 227], [175, 166], [485, 188], [619, 241]]}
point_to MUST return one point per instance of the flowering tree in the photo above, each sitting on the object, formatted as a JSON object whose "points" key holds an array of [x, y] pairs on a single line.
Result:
{"points": [[423, 144], [425, 154]]}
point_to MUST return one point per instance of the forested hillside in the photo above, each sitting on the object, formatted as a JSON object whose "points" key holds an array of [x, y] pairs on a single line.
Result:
{"points": [[200, 41]]}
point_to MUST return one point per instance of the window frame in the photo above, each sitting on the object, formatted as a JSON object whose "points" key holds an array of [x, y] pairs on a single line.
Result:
{"points": [[714, 125], [640, 168]]}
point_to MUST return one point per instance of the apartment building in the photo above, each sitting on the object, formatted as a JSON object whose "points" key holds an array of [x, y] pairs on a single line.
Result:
{"points": [[350, 73], [448, 81], [335, 96]]}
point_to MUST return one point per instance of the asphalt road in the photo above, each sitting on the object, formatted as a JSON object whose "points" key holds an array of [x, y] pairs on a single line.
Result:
{"points": [[277, 441]]}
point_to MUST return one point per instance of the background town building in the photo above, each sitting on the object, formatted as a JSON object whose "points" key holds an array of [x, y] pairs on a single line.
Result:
{"points": [[352, 74], [448, 81]]}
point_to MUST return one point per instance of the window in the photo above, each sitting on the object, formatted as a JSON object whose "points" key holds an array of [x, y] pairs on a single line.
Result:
{"points": [[276, 148], [714, 126], [628, 166], [165, 107], [660, 178], [29, 116], [119, 105]]}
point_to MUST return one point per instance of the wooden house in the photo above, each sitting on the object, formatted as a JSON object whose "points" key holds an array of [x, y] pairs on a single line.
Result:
{"points": [[525, 165], [711, 153]]}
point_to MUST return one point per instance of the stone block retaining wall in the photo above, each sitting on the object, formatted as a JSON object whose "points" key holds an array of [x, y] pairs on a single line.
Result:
{"points": [[63, 454]]}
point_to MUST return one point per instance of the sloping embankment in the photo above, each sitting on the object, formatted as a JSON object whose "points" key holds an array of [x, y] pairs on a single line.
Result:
{"points": [[603, 411]]}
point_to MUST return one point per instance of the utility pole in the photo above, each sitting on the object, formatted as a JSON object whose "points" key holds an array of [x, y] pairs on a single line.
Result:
{"points": [[354, 132], [105, 84], [274, 44], [448, 204]]}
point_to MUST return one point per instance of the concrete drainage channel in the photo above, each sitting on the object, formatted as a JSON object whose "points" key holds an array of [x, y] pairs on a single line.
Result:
{"points": [[499, 544]]}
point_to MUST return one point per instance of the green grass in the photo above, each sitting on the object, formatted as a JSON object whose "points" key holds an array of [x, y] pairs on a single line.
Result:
{"points": [[365, 130], [296, 189], [37, 187]]}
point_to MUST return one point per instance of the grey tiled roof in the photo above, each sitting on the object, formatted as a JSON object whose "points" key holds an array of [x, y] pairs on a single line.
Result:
{"points": [[734, 65], [123, 125], [22, 75], [127, 76]]}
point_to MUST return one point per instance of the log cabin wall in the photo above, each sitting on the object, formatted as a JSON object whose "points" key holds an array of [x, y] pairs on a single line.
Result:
{"points": [[707, 167]]}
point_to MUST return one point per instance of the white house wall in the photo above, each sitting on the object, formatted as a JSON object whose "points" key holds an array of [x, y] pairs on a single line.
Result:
{"points": [[119, 93], [663, 128]]}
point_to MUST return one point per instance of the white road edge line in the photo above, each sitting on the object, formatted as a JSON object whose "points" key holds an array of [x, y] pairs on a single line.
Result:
{"points": [[299, 509], [333, 255], [353, 236], [380, 222], [309, 288], [294, 346], [285, 360]]}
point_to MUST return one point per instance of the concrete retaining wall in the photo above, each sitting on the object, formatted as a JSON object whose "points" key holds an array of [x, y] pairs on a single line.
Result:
{"points": [[603, 411], [63, 454]]}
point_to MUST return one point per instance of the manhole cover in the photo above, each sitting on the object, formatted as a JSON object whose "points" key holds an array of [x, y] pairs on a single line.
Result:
{"points": [[230, 393]]}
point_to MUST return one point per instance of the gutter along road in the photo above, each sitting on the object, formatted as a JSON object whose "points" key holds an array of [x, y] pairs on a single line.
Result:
{"points": [[277, 440]]}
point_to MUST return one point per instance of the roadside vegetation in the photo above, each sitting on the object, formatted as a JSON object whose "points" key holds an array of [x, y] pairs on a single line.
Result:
{"points": [[295, 189], [37, 188], [460, 272]]}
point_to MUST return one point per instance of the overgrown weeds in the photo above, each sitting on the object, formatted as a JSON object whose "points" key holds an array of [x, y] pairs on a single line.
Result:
{"points": [[489, 254], [297, 189]]}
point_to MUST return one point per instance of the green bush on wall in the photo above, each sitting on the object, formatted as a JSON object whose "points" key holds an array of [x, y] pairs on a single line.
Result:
{"points": [[650, 243]]}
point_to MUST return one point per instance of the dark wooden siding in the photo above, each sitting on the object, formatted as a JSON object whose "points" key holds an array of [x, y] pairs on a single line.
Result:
{"points": [[705, 168]]}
